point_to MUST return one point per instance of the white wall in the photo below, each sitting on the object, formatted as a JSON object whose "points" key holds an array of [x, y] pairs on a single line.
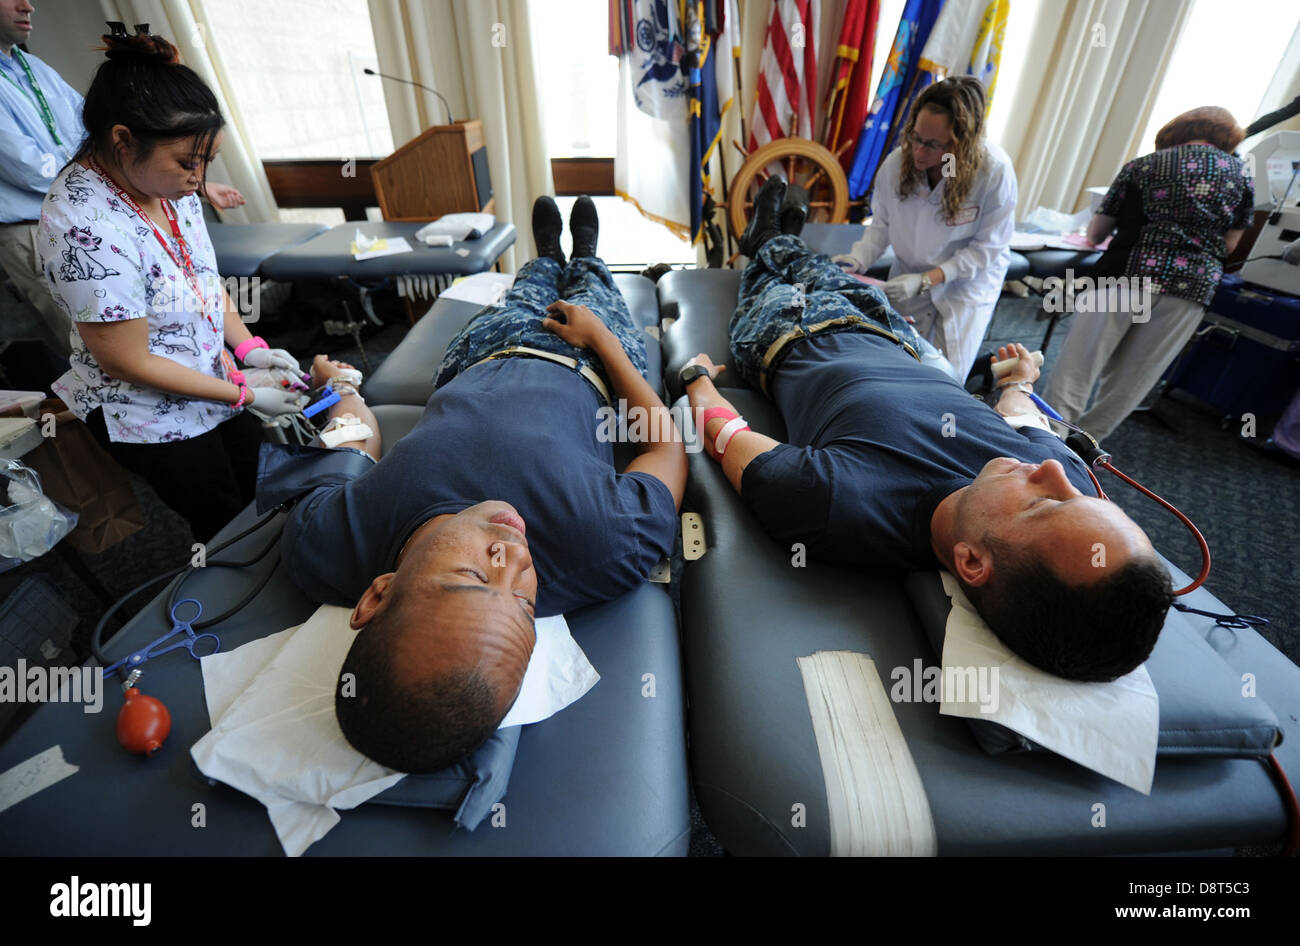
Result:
{"points": [[65, 34]]}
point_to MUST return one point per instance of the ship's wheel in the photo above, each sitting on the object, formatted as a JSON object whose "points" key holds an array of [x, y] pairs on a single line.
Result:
{"points": [[804, 163]]}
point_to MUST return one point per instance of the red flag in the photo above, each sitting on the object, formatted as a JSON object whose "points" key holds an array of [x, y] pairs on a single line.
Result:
{"points": [[850, 95], [786, 99], [620, 16]]}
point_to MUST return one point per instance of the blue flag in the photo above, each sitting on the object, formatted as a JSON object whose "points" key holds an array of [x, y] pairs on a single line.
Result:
{"points": [[885, 117], [706, 126]]}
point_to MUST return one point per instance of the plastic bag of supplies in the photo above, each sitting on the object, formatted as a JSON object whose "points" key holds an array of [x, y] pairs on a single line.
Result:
{"points": [[30, 522]]}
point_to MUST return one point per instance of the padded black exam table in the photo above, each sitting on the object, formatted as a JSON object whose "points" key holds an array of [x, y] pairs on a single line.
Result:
{"points": [[747, 615], [606, 776], [290, 251], [329, 255], [745, 620], [242, 248]]}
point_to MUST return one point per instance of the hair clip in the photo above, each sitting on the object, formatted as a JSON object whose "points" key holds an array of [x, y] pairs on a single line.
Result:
{"points": [[117, 29], [142, 29]]}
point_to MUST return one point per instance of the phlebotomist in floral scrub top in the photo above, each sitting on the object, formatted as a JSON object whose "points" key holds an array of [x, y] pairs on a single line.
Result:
{"points": [[1180, 211], [127, 255]]}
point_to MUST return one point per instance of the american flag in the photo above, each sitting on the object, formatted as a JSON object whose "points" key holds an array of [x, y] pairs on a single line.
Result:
{"points": [[786, 101]]}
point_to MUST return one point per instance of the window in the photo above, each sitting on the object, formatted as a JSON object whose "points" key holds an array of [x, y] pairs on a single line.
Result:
{"points": [[1226, 56], [579, 86], [295, 67], [579, 78]]}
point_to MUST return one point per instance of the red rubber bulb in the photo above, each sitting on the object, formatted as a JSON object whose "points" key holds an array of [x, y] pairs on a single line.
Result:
{"points": [[143, 723]]}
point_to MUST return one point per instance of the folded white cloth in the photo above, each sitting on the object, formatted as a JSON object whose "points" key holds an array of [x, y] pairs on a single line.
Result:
{"points": [[483, 288], [275, 736], [1112, 728], [367, 247], [460, 226]]}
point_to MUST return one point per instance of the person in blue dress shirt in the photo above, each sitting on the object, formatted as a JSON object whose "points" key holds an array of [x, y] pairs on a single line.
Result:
{"points": [[40, 130]]}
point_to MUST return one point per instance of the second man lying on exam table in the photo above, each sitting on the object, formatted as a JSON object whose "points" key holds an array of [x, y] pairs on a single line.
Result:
{"points": [[501, 505], [890, 464]]}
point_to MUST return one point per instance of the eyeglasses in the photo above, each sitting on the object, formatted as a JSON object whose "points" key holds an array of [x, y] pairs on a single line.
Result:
{"points": [[928, 145]]}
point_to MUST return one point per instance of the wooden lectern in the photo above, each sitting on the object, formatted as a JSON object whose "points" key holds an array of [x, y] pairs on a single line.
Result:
{"points": [[442, 170]]}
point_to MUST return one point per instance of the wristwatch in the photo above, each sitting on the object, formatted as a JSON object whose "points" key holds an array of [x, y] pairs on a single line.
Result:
{"points": [[691, 373]]}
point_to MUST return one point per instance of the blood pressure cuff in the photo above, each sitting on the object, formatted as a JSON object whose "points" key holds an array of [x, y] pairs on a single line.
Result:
{"points": [[287, 471], [1203, 709], [476, 783]]}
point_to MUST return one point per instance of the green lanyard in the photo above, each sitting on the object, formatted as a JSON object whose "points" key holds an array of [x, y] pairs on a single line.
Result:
{"points": [[41, 105]]}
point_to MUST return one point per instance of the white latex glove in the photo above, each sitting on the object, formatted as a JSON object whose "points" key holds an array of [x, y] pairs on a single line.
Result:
{"points": [[272, 378], [1292, 254], [849, 263], [902, 287], [272, 358], [277, 401]]}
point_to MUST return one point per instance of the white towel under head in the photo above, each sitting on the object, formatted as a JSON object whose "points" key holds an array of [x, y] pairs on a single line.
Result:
{"points": [[1112, 728], [275, 736]]}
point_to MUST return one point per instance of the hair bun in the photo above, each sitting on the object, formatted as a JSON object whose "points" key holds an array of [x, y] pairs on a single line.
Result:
{"points": [[143, 47]]}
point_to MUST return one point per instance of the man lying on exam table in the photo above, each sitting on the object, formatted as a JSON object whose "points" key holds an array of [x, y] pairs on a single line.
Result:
{"points": [[500, 506], [891, 464]]}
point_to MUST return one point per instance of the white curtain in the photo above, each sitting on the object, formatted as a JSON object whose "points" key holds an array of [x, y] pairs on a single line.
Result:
{"points": [[479, 55], [184, 24], [1086, 94]]}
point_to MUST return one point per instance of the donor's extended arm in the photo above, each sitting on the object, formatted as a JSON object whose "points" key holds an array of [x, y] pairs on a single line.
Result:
{"points": [[661, 454], [742, 447], [322, 371]]}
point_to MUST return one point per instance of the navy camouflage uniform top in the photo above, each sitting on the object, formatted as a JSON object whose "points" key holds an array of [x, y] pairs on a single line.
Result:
{"points": [[1191, 195]]}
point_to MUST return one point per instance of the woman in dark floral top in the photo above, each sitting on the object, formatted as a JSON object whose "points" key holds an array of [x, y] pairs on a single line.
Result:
{"points": [[1183, 208]]}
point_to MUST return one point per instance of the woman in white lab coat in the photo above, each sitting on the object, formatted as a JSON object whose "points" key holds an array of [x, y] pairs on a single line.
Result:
{"points": [[945, 199]]}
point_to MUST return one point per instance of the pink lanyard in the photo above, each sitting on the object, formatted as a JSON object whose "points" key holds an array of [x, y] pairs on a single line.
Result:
{"points": [[185, 264]]}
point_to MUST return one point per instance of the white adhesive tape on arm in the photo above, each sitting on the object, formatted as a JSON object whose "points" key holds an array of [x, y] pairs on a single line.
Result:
{"points": [[1029, 420], [729, 430], [349, 375], [346, 434]]}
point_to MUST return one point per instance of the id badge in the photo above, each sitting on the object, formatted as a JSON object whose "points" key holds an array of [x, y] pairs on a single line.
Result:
{"points": [[964, 216]]}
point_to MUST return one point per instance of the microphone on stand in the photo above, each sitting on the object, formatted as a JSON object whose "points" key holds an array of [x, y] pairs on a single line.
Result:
{"points": [[371, 72]]}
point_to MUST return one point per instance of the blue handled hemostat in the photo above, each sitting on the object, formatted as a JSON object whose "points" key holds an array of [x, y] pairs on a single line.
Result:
{"points": [[155, 649]]}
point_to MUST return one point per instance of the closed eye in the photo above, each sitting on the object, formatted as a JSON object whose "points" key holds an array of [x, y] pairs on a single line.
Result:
{"points": [[531, 605]]}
